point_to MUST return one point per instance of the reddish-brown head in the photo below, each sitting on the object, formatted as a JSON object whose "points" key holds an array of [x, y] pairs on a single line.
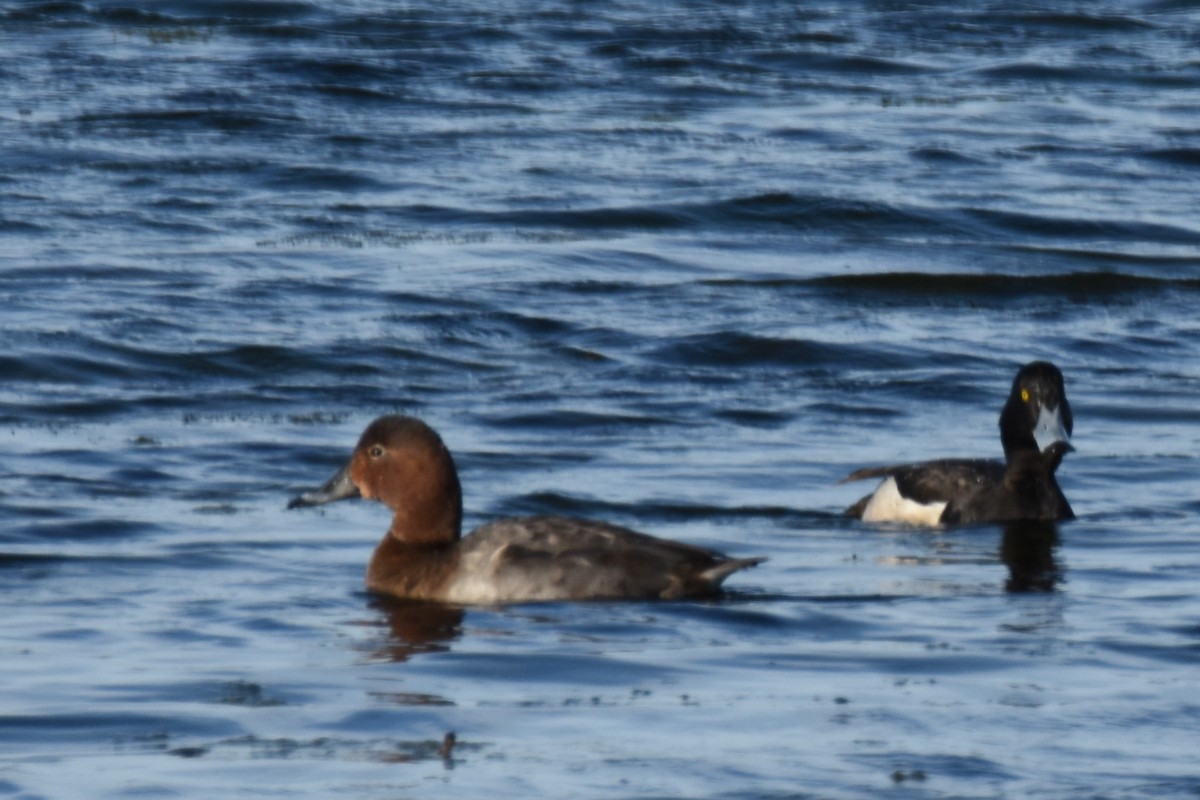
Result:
{"points": [[401, 462]]}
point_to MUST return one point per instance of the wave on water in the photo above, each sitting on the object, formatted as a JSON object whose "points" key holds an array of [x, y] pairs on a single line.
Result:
{"points": [[743, 351], [571, 505], [1090, 286]]}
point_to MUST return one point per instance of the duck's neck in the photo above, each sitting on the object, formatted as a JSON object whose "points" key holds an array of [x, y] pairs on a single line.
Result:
{"points": [[431, 514], [1016, 435]]}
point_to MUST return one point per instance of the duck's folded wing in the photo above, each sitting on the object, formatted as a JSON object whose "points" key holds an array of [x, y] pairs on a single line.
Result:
{"points": [[938, 481], [564, 558]]}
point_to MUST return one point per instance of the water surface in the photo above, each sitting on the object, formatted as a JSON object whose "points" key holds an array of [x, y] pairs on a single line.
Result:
{"points": [[680, 266]]}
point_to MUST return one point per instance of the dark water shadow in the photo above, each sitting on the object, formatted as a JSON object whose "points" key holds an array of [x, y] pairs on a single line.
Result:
{"points": [[416, 627], [1028, 549]]}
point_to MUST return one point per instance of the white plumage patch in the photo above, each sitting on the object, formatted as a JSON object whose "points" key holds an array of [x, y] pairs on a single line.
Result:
{"points": [[888, 505]]}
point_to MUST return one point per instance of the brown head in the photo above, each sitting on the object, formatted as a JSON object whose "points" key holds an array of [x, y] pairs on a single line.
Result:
{"points": [[401, 462]]}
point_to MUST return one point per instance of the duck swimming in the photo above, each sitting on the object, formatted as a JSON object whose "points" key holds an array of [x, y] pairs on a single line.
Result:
{"points": [[1035, 428], [403, 463]]}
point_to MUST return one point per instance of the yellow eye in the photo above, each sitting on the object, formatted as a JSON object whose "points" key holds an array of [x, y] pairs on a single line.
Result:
{"points": [[1025, 395]]}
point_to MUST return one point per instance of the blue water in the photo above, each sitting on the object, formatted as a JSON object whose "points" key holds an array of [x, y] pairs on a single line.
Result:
{"points": [[680, 266]]}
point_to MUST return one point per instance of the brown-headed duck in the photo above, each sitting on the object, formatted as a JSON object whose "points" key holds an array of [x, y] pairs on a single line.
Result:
{"points": [[402, 462], [1035, 428]]}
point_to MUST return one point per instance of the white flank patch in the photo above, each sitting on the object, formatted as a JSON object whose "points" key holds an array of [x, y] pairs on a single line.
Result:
{"points": [[888, 505]]}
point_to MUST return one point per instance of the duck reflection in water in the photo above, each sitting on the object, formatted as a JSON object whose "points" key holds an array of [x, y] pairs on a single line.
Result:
{"points": [[416, 627], [1028, 550]]}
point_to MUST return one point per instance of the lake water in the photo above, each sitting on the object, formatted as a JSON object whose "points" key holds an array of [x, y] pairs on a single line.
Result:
{"points": [[676, 265]]}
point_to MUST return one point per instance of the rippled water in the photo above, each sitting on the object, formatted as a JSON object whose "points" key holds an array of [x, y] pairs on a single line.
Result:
{"points": [[681, 266]]}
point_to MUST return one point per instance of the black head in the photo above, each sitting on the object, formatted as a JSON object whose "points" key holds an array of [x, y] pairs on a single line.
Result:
{"points": [[1037, 413]]}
